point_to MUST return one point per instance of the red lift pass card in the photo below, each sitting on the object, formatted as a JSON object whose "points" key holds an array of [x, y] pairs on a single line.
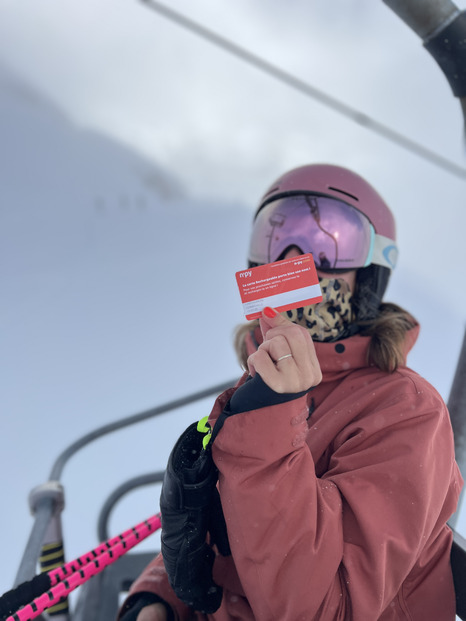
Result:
{"points": [[283, 285]]}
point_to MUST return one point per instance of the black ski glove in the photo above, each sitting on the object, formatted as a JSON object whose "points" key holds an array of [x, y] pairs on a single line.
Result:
{"points": [[190, 508]]}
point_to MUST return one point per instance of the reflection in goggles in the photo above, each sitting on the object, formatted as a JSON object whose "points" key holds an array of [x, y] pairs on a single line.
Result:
{"points": [[323, 260], [338, 235]]}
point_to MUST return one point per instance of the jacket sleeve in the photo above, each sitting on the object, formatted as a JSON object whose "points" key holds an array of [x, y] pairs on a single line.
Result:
{"points": [[339, 546], [154, 580]]}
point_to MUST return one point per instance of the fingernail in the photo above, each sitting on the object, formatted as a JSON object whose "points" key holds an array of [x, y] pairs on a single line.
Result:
{"points": [[270, 312]]}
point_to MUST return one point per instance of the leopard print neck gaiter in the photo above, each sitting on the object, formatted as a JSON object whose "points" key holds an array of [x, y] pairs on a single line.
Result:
{"points": [[330, 319]]}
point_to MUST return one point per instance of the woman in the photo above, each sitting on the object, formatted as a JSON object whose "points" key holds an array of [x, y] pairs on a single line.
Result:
{"points": [[335, 461]]}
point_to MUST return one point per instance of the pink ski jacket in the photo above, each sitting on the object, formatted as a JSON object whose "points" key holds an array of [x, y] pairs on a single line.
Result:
{"points": [[336, 502]]}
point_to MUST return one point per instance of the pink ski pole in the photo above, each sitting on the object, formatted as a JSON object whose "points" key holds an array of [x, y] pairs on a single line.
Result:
{"points": [[60, 573], [64, 586], [28, 591]]}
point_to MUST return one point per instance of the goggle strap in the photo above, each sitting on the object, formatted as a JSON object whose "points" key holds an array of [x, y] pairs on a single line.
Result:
{"points": [[384, 251], [371, 249]]}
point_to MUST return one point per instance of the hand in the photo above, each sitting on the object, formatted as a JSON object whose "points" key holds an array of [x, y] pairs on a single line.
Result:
{"points": [[154, 612], [294, 373]]}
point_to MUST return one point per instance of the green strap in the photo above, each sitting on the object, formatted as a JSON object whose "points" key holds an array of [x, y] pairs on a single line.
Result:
{"points": [[204, 427]]}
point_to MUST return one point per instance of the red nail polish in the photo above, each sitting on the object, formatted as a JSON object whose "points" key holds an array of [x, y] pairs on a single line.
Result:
{"points": [[270, 312]]}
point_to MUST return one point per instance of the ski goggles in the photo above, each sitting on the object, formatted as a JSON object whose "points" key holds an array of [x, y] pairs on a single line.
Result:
{"points": [[339, 236]]}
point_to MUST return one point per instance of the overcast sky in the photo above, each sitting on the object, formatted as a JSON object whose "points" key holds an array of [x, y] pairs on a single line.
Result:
{"points": [[225, 129], [119, 66], [221, 131]]}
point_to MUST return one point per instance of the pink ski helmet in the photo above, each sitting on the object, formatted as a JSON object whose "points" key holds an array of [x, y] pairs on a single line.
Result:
{"points": [[336, 215], [346, 221]]}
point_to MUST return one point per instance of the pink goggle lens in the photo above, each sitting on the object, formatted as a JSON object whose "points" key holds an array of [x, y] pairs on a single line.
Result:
{"points": [[338, 235]]}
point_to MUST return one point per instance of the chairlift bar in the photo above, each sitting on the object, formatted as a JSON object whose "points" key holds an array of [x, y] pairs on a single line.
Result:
{"points": [[46, 505], [128, 486], [61, 460], [425, 17], [43, 515], [457, 408], [442, 28]]}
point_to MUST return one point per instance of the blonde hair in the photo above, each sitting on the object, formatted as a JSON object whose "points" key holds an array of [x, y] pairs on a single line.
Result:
{"points": [[387, 332], [239, 341]]}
